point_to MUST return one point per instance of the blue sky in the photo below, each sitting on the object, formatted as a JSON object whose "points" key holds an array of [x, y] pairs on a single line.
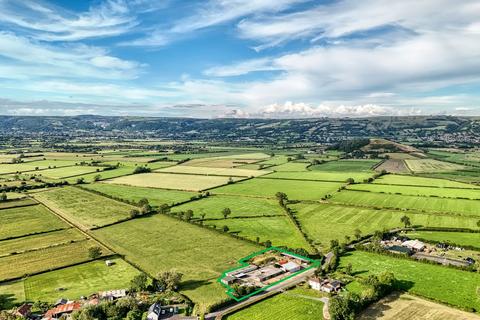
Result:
{"points": [[240, 58]]}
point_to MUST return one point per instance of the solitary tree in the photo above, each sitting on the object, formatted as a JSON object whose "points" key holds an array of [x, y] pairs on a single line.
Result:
{"points": [[189, 215], [97, 177], [406, 221], [202, 215], [3, 196], [94, 252], [225, 228], [348, 269], [357, 233], [139, 282], [164, 208], [226, 212], [134, 213], [146, 209], [168, 280], [350, 181], [143, 202], [268, 243], [478, 223]]}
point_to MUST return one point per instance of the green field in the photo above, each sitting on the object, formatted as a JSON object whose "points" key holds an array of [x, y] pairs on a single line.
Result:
{"points": [[17, 203], [458, 238], [173, 181], [292, 304], [36, 166], [465, 158], [160, 243], [26, 220], [325, 222], [80, 280], [229, 172], [431, 165], [156, 197], [321, 176], [84, 208], [279, 230], [295, 190], [291, 166], [65, 172], [448, 285], [275, 160], [429, 204], [346, 165], [39, 241], [240, 207], [466, 176], [419, 191], [45, 259], [420, 181]]}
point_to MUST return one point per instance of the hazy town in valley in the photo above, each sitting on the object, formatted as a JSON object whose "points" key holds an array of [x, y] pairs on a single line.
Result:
{"points": [[239, 160]]}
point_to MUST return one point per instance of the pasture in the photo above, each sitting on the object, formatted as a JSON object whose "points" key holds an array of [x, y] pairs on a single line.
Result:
{"points": [[431, 165], [466, 176], [16, 201], [464, 158], [279, 230], [346, 165], [79, 280], [84, 208], [325, 222], [34, 166], [291, 166], [39, 241], [200, 254], [393, 166], [418, 191], [212, 207], [173, 181], [292, 304], [156, 197], [229, 172], [448, 285], [31, 262], [395, 201], [27, 220], [65, 172], [420, 181], [407, 307], [458, 238], [295, 189], [321, 176]]}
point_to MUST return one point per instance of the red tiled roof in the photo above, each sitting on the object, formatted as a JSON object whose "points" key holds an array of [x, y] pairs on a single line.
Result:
{"points": [[64, 308]]}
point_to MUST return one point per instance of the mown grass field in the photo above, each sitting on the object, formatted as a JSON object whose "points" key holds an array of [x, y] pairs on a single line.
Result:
{"points": [[83, 207], [321, 176], [291, 166], [108, 174], [17, 202], [35, 166], [275, 160], [458, 238], [65, 172], [464, 158], [418, 191], [295, 190], [291, 304], [279, 230], [372, 199], [240, 207], [229, 172], [79, 280], [448, 285], [26, 220], [39, 241], [466, 176], [45, 259], [346, 165], [160, 243], [420, 181], [407, 307], [156, 197], [325, 222], [431, 165], [173, 181]]}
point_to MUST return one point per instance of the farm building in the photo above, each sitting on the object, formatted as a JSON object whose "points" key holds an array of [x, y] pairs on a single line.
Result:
{"points": [[291, 267], [229, 280], [23, 311], [64, 309], [415, 245], [112, 294]]}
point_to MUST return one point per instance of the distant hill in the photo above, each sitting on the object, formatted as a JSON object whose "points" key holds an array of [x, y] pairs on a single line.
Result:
{"points": [[417, 130]]}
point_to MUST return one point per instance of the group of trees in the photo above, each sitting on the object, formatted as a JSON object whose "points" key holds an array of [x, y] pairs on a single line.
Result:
{"points": [[145, 208], [164, 281], [3, 197], [124, 308], [141, 169], [346, 306]]}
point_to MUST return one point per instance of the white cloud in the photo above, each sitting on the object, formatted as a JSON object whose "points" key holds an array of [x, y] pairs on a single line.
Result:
{"points": [[52, 23], [211, 13], [24, 58]]}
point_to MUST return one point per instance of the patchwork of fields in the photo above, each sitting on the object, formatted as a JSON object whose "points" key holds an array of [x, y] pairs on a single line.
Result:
{"points": [[173, 181]]}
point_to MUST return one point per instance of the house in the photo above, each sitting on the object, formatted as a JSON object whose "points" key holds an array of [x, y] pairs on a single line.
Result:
{"points": [[325, 285], [112, 294], [23, 311], [60, 302], [61, 310], [228, 280], [157, 311], [415, 245], [291, 267]]}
